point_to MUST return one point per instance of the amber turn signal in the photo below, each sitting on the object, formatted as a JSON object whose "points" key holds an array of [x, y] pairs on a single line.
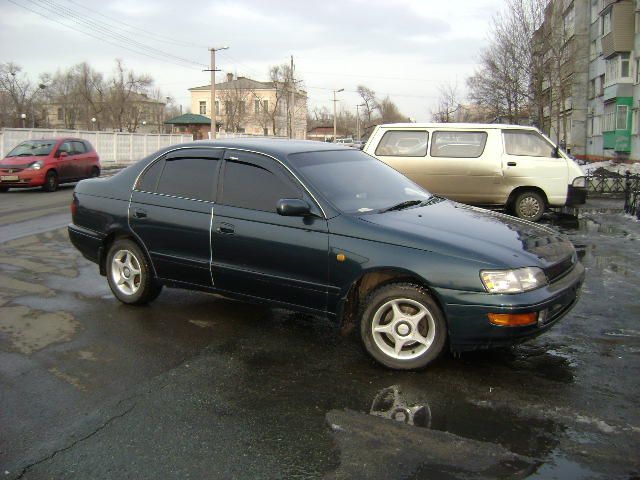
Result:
{"points": [[513, 319]]}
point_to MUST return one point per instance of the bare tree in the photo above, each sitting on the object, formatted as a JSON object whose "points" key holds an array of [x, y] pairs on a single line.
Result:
{"points": [[123, 88], [448, 103], [92, 89], [389, 112], [234, 98], [369, 100], [19, 95]]}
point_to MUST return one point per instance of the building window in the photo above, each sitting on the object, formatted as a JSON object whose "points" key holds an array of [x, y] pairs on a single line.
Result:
{"points": [[217, 107], [608, 121], [621, 117], [618, 68], [592, 88], [60, 114], [203, 108], [569, 22], [228, 107], [241, 107], [606, 22], [601, 91], [265, 106], [256, 106]]}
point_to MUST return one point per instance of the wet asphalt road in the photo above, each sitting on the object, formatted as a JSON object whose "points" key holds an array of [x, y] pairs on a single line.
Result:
{"points": [[196, 386]]}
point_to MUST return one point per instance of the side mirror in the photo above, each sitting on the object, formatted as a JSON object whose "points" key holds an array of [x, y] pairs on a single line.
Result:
{"points": [[556, 151], [293, 207]]}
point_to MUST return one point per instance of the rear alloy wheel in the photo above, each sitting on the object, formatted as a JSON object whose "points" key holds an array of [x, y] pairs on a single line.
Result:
{"points": [[402, 327], [129, 274], [529, 205], [50, 182], [95, 172]]}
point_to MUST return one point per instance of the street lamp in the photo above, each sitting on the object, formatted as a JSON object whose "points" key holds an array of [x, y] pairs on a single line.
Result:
{"points": [[93, 123], [358, 119], [213, 89], [23, 117], [335, 125]]}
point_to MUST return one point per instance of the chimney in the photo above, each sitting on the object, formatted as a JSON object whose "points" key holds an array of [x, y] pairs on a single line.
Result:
{"points": [[229, 77]]}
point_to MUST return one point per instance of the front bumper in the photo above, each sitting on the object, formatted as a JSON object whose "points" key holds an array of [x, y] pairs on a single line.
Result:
{"points": [[467, 312], [576, 196], [24, 178]]}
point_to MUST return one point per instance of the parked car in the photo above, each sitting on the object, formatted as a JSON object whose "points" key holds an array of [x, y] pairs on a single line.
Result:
{"points": [[328, 230], [48, 163], [495, 165]]}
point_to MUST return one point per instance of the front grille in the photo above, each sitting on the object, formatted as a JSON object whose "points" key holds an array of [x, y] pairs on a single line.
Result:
{"points": [[560, 269], [10, 170]]}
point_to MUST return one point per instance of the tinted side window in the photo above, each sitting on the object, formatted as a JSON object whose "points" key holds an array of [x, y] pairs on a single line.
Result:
{"points": [[189, 178], [149, 180], [250, 186], [78, 147], [66, 147], [526, 143], [403, 143], [458, 144]]}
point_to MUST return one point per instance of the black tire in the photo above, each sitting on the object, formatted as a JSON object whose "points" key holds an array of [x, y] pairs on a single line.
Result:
{"points": [[50, 182], [137, 285], [4, 189], [95, 172], [529, 205], [379, 311]]}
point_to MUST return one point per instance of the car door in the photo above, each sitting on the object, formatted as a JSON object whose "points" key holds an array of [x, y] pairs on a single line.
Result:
{"points": [[256, 251], [528, 160], [171, 210], [80, 159], [63, 163]]}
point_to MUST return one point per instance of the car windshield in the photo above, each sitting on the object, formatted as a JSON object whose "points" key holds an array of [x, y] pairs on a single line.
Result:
{"points": [[358, 183], [33, 148]]}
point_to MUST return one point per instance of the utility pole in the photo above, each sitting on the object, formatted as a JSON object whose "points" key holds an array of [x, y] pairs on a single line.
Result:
{"points": [[213, 71], [292, 100], [358, 120], [335, 124]]}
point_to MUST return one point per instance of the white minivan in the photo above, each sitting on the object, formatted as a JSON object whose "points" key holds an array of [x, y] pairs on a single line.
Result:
{"points": [[494, 165]]}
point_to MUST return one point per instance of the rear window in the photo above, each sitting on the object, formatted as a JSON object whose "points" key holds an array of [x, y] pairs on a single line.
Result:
{"points": [[403, 143], [458, 144]]}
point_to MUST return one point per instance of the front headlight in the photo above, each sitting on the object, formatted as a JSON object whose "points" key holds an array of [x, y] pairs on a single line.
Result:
{"points": [[579, 182], [36, 165], [513, 281]]}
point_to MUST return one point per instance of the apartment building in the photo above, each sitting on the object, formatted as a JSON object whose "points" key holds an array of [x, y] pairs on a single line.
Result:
{"points": [[614, 80], [248, 106]]}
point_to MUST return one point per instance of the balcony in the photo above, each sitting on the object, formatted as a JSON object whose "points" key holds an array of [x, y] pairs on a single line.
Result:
{"points": [[621, 36]]}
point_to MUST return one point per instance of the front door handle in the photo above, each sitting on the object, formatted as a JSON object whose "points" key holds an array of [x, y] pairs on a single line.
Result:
{"points": [[139, 213], [511, 164], [226, 228]]}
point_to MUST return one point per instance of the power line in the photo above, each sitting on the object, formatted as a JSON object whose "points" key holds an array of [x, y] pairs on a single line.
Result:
{"points": [[76, 17], [98, 37], [138, 30]]}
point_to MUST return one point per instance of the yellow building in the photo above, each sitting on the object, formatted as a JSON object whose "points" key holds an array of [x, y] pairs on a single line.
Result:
{"points": [[247, 106]]}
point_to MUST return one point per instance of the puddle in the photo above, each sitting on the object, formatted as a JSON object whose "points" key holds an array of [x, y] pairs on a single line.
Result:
{"points": [[622, 333]]}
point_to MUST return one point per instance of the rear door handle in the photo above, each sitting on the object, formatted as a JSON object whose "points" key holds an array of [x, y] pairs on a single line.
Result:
{"points": [[139, 213], [226, 228], [511, 164]]}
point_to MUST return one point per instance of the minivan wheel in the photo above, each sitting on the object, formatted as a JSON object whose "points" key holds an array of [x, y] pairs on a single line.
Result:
{"points": [[402, 327], [129, 274], [529, 205], [50, 182]]}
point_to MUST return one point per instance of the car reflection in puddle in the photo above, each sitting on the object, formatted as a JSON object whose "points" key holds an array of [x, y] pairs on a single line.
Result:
{"points": [[390, 404]]}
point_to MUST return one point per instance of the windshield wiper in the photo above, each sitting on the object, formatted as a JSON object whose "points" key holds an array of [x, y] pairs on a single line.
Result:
{"points": [[402, 205]]}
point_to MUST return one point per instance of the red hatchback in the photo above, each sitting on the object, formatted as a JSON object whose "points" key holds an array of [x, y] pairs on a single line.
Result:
{"points": [[48, 163]]}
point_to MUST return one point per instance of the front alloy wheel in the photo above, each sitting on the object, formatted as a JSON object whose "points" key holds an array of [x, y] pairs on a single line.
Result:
{"points": [[402, 327]]}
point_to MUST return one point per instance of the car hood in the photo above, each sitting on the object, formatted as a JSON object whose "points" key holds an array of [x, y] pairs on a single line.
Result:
{"points": [[19, 161], [465, 231]]}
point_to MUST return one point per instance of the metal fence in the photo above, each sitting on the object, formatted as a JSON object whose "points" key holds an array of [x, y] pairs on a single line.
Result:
{"points": [[613, 182], [114, 148]]}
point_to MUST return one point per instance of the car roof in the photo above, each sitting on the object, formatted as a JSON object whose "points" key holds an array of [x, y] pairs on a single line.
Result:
{"points": [[277, 147], [470, 126]]}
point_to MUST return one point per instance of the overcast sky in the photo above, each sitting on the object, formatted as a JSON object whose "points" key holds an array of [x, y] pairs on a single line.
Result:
{"points": [[404, 48]]}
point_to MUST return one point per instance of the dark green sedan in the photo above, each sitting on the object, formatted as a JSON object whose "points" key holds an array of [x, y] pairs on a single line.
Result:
{"points": [[328, 230]]}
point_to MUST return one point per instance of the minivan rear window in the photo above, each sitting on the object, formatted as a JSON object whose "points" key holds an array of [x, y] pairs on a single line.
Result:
{"points": [[458, 144], [403, 143]]}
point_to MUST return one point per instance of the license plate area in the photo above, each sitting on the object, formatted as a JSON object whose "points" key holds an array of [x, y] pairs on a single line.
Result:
{"points": [[9, 178]]}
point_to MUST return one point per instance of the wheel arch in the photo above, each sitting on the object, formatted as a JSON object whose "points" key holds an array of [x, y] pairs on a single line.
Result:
{"points": [[119, 233], [352, 300], [525, 188]]}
